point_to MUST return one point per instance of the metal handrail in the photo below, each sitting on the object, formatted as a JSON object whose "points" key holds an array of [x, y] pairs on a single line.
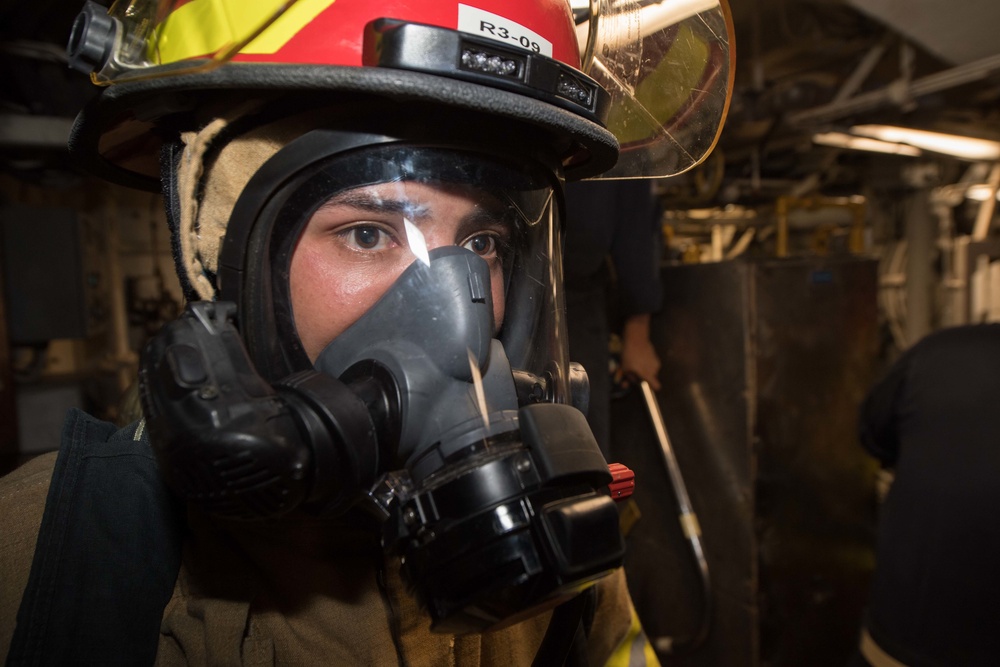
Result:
{"points": [[689, 524]]}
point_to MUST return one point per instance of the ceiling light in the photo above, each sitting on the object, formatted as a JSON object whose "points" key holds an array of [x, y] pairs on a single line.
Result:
{"points": [[843, 140], [980, 192], [967, 148]]}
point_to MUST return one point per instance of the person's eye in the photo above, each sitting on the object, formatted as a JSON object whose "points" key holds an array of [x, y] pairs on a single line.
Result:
{"points": [[365, 237], [484, 245]]}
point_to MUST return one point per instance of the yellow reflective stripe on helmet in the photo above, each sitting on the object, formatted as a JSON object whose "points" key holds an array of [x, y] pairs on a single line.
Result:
{"points": [[287, 26], [634, 650], [204, 27]]}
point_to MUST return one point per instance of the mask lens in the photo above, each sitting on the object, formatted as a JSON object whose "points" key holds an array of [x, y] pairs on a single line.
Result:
{"points": [[350, 229]]}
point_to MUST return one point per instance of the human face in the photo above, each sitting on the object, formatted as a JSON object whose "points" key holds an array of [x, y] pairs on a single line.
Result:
{"points": [[357, 244]]}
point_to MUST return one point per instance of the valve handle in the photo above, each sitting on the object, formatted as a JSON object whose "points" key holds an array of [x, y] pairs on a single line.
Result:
{"points": [[622, 483]]}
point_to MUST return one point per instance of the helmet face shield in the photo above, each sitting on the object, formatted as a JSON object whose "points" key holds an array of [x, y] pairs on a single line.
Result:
{"points": [[669, 67]]}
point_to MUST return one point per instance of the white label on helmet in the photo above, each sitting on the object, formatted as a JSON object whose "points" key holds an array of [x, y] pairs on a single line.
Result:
{"points": [[478, 22]]}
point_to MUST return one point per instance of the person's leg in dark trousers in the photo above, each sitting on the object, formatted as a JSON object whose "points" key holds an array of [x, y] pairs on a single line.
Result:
{"points": [[587, 323]]}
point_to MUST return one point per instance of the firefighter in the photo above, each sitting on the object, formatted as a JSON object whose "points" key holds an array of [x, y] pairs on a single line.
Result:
{"points": [[927, 421], [362, 442]]}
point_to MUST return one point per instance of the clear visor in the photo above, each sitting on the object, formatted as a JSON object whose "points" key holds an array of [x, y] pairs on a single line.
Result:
{"points": [[347, 232], [669, 68]]}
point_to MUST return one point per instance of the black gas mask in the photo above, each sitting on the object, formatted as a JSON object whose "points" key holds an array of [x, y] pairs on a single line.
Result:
{"points": [[388, 336]]}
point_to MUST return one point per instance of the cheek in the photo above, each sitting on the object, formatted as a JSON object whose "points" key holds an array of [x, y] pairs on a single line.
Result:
{"points": [[327, 297], [499, 299]]}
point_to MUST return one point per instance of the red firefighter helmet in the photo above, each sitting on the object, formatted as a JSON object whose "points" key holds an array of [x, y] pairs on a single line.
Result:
{"points": [[517, 62]]}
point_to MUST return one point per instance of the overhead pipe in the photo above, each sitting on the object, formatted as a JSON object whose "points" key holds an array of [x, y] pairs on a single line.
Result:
{"points": [[898, 91]]}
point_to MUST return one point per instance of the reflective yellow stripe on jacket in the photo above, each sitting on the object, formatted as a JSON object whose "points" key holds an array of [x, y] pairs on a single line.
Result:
{"points": [[874, 653], [634, 650]]}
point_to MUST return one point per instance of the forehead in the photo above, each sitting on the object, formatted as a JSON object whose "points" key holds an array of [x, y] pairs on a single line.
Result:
{"points": [[417, 200]]}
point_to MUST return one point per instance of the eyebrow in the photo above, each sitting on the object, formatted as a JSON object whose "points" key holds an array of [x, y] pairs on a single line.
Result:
{"points": [[416, 213], [370, 203], [479, 220]]}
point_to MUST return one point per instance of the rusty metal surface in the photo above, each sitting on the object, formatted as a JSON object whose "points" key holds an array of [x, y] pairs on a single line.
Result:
{"points": [[815, 335], [764, 365]]}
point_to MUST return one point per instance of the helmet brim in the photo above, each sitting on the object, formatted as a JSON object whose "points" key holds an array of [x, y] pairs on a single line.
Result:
{"points": [[118, 134]]}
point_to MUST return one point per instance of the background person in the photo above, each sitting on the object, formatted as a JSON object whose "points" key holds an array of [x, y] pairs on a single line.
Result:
{"points": [[931, 421], [612, 283]]}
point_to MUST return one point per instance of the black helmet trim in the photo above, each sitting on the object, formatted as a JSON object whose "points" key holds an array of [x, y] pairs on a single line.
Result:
{"points": [[117, 135]]}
